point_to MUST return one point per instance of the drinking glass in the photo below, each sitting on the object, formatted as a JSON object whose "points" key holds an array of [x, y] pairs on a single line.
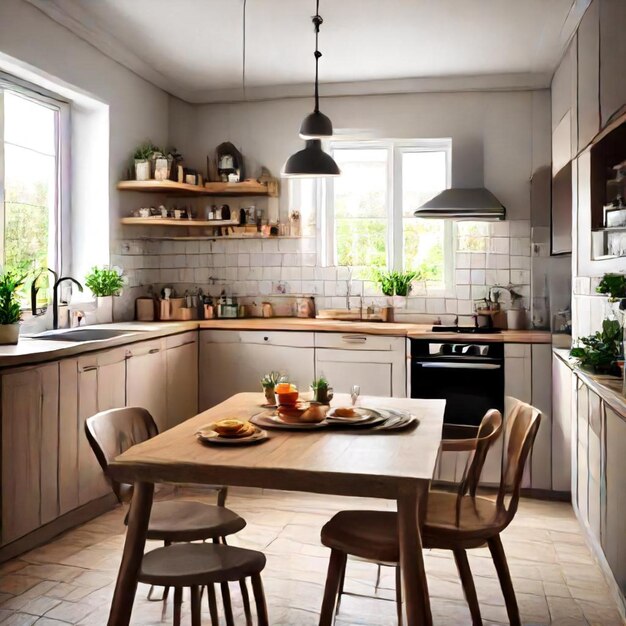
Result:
{"points": [[355, 392]]}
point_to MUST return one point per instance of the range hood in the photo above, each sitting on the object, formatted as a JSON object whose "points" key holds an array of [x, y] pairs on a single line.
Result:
{"points": [[463, 204]]}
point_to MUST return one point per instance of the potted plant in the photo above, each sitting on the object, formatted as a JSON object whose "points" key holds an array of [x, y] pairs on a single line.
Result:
{"points": [[142, 157], [105, 282], [402, 287], [10, 310], [516, 315], [599, 352], [269, 382], [322, 392]]}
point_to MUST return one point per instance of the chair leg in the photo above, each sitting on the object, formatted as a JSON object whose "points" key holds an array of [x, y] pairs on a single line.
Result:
{"points": [[342, 582], [467, 581], [212, 600], [228, 609], [499, 560], [259, 601], [399, 594], [377, 583], [221, 496], [196, 604], [335, 565], [246, 601], [178, 600]]}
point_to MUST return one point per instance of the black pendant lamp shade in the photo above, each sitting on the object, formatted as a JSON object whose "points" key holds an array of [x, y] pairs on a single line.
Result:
{"points": [[311, 161]]}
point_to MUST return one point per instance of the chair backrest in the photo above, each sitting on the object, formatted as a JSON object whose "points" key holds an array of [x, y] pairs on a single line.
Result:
{"points": [[114, 431], [488, 432], [521, 430]]}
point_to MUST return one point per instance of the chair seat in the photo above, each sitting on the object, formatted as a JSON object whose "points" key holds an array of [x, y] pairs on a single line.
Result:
{"points": [[190, 564], [180, 520], [373, 535]]}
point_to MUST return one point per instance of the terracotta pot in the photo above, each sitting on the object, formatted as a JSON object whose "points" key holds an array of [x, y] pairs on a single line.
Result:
{"points": [[9, 334]]}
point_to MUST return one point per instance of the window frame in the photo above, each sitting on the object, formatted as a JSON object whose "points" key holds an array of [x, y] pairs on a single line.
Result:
{"points": [[60, 245], [395, 148]]}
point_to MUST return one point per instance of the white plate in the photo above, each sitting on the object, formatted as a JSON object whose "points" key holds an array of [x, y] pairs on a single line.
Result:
{"points": [[206, 435]]}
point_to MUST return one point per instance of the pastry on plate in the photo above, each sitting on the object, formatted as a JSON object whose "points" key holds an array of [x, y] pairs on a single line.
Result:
{"points": [[345, 411], [233, 428]]}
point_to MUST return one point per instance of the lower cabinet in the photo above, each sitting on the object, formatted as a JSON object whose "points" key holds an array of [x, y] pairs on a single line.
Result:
{"points": [[30, 436], [235, 361], [563, 385], [181, 378]]}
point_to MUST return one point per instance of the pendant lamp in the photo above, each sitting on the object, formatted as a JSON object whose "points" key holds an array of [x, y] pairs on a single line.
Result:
{"points": [[312, 161]]}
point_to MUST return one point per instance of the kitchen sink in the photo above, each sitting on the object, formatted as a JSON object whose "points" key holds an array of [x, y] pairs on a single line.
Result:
{"points": [[83, 334]]}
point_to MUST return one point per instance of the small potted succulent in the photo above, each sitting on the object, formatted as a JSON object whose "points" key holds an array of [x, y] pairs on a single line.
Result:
{"points": [[10, 310], [269, 382], [143, 155], [322, 391], [105, 283]]}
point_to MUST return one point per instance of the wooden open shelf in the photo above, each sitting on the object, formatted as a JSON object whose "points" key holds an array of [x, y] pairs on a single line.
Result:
{"points": [[169, 221], [246, 188]]}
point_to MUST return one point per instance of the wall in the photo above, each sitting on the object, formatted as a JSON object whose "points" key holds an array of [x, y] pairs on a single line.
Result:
{"points": [[498, 140], [41, 50]]}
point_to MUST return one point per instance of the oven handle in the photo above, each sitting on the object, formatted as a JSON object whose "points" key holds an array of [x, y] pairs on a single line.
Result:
{"points": [[461, 366]]}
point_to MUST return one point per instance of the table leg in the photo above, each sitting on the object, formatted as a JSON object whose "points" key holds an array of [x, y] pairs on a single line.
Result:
{"points": [[417, 602], [126, 585]]}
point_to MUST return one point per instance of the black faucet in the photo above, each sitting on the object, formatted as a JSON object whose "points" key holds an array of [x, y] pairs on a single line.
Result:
{"points": [[55, 298], [34, 289]]}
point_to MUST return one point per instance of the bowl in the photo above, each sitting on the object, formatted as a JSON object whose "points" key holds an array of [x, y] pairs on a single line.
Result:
{"points": [[288, 399]]}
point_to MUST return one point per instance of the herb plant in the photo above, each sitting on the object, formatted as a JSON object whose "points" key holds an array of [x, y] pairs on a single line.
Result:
{"points": [[599, 351], [395, 283], [10, 310], [614, 286], [105, 281], [145, 151], [320, 383], [269, 381]]}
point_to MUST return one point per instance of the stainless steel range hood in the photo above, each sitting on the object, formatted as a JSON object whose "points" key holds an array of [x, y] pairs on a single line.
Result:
{"points": [[463, 204]]}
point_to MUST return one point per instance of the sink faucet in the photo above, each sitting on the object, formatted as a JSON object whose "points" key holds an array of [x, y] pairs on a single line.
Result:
{"points": [[55, 298], [34, 289]]}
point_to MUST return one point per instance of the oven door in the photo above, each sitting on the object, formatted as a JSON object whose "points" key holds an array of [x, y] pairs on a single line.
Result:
{"points": [[470, 387]]}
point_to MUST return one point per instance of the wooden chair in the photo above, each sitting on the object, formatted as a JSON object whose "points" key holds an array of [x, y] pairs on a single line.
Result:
{"points": [[455, 522], [172, 521]]}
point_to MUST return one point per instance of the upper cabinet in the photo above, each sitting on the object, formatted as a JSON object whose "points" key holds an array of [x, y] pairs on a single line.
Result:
{"points": [[589, 75], [612, 15]]}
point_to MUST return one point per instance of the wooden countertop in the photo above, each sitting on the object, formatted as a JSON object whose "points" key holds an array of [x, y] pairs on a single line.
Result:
{"points": [[32, 350]]}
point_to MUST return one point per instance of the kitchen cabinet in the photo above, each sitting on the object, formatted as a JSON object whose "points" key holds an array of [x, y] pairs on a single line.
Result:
{"points": [[612, 58], [100, 385], [29, 449], [563, 385], [589, 75], [614, 535], [146, 378], [181, 365], [582, 445], [377, 364], [594, 464], [235, 361], [541, 394]]}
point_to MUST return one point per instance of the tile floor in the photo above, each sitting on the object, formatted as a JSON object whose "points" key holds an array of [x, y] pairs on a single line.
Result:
{"points": [[70, 580]]}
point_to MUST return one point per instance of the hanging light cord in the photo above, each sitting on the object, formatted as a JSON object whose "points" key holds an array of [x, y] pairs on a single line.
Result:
{"points": [[317, 21], [243, 52]]}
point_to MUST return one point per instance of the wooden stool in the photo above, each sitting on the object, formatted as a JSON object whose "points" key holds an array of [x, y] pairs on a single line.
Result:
{"points": [[196, 565]]}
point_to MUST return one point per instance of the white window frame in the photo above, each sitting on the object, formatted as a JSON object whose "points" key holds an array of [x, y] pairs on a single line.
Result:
{"points": [[61, 223], [395, 149]]}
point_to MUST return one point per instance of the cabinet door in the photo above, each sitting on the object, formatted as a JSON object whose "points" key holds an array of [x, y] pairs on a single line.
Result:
{"points": [[582, 464], [589, 75], [562, 388], [614, 538], [541, 457], [594, 460], [181, 363], [233, 362], [146, 380], [29, 449], [612, 58]]}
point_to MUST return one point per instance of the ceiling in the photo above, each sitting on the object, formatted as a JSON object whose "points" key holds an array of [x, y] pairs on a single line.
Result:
{"points": [[193, 48]]}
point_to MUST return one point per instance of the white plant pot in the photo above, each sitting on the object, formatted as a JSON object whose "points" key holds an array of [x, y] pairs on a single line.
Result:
{"points": [[104, 309], [142, 170], [399, 302], [516, 319], [9, 334]]}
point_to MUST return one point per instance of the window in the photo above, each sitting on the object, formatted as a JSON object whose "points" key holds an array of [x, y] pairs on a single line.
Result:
{"points": [[29, 183], [369, 217]]}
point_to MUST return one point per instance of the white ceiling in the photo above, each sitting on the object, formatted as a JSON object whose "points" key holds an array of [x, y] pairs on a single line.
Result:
{"points": [[193, 48]]}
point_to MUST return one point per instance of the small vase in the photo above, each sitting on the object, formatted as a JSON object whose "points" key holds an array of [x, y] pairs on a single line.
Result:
{"points": [[9, 334], [399, 302], [323, 395], [142, 169], [270, 395], [104, 309], [516, 319]]}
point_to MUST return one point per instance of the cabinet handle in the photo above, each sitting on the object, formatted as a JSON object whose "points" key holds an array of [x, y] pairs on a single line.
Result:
{"points": [[154, 350], [354, 338], [266, 338], [89, 368]]}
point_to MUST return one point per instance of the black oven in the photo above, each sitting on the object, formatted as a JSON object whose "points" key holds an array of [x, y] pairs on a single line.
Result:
{"points": [[468, 375]]}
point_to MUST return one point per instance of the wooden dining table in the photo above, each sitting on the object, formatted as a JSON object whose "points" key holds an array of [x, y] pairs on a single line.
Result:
{"points": [[395, 465]]}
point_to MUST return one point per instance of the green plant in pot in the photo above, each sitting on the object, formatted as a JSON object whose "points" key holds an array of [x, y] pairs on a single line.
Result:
{"points": [[10, 309], [269, 382], [105, 282], [143, 155], [395, 284], [599, 352], [614, 286], [322, 391]]}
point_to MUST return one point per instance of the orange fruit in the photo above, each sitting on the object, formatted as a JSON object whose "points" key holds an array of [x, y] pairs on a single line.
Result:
{"points": [[283, 388]]}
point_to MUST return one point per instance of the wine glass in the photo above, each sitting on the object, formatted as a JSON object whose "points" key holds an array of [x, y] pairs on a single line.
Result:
{"points": [[355, 392]]}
